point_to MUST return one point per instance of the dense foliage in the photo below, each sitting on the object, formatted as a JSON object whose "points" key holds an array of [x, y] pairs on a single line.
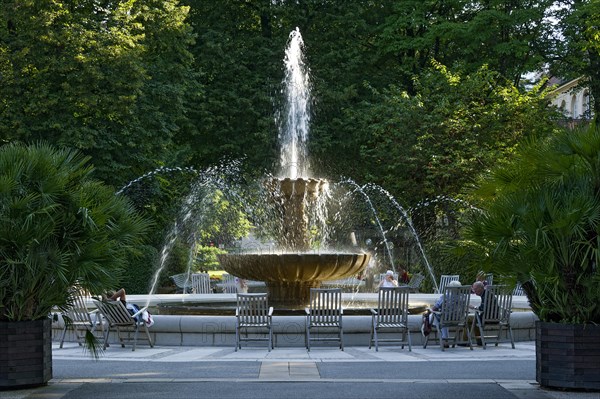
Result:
{"points": [[416, 96], [540, 223], [58, 228]]}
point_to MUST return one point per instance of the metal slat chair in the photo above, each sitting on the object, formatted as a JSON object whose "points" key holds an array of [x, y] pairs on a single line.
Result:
{"points": [[183, 281], [119, 318], [495, 313], [229, 286], [445, 279], [518, 290], [324, 311], [253, 312], [453, 315], [415, 282], [201, 283], [391, 313], [80, 318]]}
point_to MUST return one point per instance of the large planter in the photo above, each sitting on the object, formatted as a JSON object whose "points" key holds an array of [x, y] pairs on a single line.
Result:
{"points": [[25, 353], [568, 355]]}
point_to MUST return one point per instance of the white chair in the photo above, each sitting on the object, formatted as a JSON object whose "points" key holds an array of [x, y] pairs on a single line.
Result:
{"points": [[201, 283], [119, 318], [415, 282], [253, 312], [324, 312], [518, 290], [453, 316], [80, 318], [445, 279], [497, 308], [228, 283], [183, 281], [391, 313]]}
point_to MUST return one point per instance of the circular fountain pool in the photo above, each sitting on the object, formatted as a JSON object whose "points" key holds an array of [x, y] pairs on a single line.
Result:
{"points": [[227, 308]]}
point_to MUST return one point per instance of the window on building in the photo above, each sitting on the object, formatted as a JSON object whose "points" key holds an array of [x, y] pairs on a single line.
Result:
{"points": [[586, 111]]}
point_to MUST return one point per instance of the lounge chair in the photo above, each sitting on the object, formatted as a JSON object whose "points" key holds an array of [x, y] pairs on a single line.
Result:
{"points": [[445, 279], [495, 316], [80, 318], [453, 315], [123, 321], [201, 283]]}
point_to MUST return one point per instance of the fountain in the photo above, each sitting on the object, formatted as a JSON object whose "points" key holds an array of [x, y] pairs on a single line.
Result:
{"points": [[290, 272], [303, 259]]}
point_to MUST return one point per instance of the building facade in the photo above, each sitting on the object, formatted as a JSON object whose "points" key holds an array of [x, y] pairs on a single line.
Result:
{"points": [[573, 99]]}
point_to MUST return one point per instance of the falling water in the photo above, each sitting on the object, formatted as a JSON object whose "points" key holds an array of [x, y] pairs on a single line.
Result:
{"points": [[212, 178], [294, 126], [155, 172], [410, 225], [374, 211]]}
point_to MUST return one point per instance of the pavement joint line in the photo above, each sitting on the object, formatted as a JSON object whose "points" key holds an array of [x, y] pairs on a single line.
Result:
{"points": [[527, 385]]}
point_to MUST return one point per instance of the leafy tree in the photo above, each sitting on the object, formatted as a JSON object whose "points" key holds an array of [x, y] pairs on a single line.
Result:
{"points": [[457, 125], [510, 37], [240, 65], [106, 77], [540, 224], [577, 52]]}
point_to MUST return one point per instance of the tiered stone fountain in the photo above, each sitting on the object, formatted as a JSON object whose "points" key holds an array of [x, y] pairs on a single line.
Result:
{"points": [[295, 267]]}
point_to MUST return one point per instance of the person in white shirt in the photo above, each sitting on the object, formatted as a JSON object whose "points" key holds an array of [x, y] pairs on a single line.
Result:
{"points": [[389, 281]]}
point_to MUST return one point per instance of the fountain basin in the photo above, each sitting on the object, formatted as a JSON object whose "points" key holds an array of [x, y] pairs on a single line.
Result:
{"points": [[289, 276], [227, 308]]}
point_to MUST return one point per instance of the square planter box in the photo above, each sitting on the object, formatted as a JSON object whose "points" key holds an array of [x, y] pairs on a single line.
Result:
{"points": [[568, 355], [25, 353]]}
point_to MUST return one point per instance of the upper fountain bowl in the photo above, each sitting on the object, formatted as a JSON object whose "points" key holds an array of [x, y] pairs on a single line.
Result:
{"points": [[301, 186], [294, 267]]}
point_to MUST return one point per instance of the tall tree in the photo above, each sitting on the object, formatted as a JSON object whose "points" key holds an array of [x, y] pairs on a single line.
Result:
{"points": [[457, 125], [578, 44], [85, 74], [240, 62]]}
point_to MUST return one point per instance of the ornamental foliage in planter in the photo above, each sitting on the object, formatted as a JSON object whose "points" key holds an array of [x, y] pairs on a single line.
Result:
{"points": [[58, 227], [539, 224]]}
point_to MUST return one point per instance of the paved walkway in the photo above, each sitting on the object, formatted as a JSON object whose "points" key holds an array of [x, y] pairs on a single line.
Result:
{"points": [[325, 372]]}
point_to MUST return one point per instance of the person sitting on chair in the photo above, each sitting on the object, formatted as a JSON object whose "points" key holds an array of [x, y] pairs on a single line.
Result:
{"points": [[241, 285], [437, 306], [132, 308], [478, 289], [389, 281]]}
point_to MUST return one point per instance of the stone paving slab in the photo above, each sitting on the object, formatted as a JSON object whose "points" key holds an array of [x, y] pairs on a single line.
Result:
{"points": [[324, 372]]}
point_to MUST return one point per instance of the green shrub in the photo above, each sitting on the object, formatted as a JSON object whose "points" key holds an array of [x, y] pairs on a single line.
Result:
{"points": [[58, 227]]}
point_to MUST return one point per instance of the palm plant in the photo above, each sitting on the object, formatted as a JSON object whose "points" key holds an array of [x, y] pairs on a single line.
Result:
{"points": [[58, 228], [540, 224]]}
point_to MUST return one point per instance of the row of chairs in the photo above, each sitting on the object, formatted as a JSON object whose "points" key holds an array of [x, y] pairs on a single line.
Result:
{"points": [[325, 312], [454, 316], [197, 283]]}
